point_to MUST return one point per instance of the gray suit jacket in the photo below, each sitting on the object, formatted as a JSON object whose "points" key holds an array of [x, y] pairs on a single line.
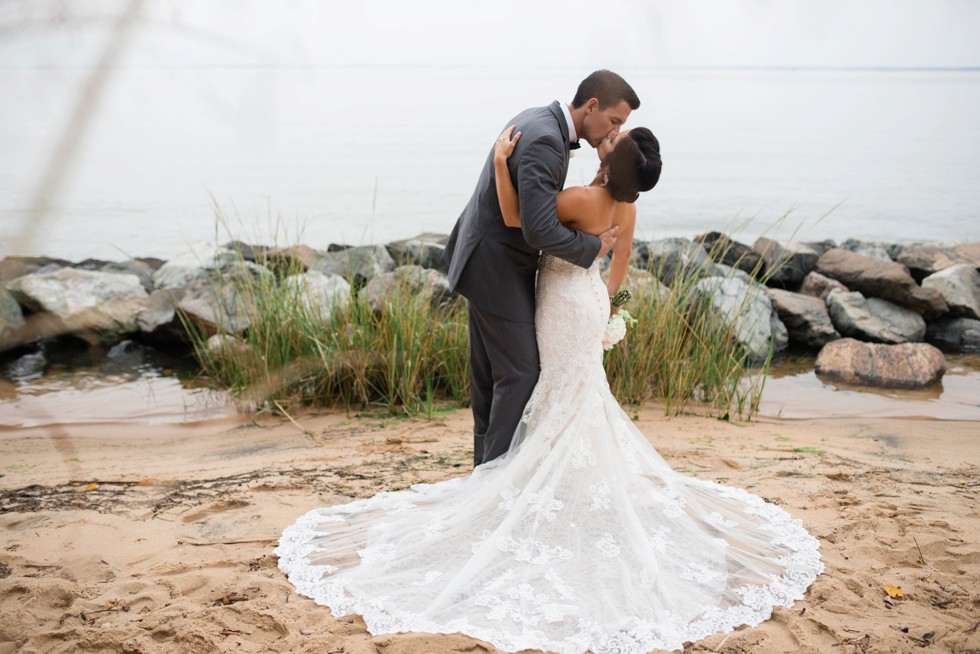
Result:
{"points": [[493, 265]]}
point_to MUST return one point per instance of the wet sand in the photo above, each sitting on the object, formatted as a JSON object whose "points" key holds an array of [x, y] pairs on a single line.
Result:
{"points": [[159, 538]]}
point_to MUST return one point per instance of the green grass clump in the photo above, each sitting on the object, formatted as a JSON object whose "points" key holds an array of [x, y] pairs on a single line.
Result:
{"points": [[413, 354]]}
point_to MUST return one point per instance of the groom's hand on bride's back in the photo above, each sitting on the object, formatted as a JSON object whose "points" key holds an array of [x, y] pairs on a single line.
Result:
{"points": [[608, 239]]}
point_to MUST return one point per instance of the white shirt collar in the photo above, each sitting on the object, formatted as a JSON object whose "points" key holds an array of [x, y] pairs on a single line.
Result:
{"points": [[572, 135]]}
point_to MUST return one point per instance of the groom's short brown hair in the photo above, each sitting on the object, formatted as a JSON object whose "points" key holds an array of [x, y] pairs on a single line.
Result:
{"points": [[608, 88]]}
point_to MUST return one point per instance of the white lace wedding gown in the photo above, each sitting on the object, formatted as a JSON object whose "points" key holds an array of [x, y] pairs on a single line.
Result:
{"points": [[580, 537]]}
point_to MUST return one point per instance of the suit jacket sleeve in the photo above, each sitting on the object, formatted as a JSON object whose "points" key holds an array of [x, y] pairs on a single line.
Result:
{"points": [[539, 178]]}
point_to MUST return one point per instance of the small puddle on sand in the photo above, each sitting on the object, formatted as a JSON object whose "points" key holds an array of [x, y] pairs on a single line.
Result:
{"points": [[793, 390]]}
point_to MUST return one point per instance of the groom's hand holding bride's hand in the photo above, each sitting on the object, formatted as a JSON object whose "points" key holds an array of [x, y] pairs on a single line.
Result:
{"points": [[608, 239]]}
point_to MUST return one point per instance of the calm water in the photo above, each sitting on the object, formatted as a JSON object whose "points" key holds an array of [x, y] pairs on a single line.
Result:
{"points": [[322, 155], [325, 155]]}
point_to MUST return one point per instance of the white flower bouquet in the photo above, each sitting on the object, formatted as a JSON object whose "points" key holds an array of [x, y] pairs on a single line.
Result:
{"points": [[618, 321]]}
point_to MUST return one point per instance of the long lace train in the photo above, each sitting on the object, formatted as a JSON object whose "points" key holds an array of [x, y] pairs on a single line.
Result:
{"points": [[580, 537]]}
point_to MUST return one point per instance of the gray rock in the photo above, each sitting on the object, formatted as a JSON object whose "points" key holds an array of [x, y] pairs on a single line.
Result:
{"points": [[196, 265], [318, 292], [748, 311], [927, 258], [423, 250], [786, 263], [874, 319], [723, 250], [406, 284], [909, 365], [158, 320], [132, 267], [806, 318], [721, 270], [960, 287], [11, 320], [643, 284], [357, 265], [867, 248], [96, 306], [820, 286], [821, 246], [958, 335], [217, 308], [28, 366], [671, 259], [881, 279]]}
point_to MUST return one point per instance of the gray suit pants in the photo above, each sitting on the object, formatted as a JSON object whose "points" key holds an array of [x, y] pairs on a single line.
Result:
{"points": [[504, 370]]}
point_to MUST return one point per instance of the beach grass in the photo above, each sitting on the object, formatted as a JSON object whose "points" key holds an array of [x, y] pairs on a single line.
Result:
{"points": [[411, 357]]}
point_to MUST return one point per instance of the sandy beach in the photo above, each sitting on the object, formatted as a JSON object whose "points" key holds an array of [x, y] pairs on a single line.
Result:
{"points": [[135, 538]]}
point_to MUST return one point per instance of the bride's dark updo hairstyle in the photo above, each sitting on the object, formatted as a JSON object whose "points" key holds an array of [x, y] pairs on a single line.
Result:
{"points": [[634, 165]]}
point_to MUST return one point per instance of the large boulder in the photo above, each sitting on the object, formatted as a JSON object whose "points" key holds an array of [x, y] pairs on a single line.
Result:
{"points": [[95, 305], [924, 259], [909, 365], [871, 249], [958, 335], [748, 311], [11, 320], [887, 280], [643, 284], [874, 319], [960, 287], [290, 260], [724, 250], [820, 286], [319, 293], [673, 259], [423, 250], [806, 318], [358, 265], [406, 284], [195, 265], [158, 320], [787, 263]]}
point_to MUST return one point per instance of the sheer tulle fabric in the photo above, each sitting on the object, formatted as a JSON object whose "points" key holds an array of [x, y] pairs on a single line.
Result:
{"points": [[581, 537]]}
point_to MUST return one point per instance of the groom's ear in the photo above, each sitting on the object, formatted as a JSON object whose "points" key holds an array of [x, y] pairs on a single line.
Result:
{"points": [[591, 105]]}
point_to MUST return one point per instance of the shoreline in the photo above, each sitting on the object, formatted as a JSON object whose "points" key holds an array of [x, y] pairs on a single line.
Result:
{"points": [[140, 538]]}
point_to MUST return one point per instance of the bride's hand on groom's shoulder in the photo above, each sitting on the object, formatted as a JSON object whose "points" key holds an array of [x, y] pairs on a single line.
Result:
{"points": [[506, 143]]}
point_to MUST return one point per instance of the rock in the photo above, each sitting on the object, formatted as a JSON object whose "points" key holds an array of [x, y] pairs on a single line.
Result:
{"points": [[722, 249], [226, 344], [748, 311], [806, 318], [318, 292], [672, 259], [358, 265], [909, 365], [957, 335], [245, 251], [193, 266], [290, 260], [867, 248], [217, 308], [820, 246], [83, 301], [158, 319], [11, 320], [406, 283], [13, 267], [132, 267], [820, 286], [881, 279], [721, 270], [423, 250], [874, 319], [787, 263], [28, 366], [643, 285], [924, 259], [960, 287]]}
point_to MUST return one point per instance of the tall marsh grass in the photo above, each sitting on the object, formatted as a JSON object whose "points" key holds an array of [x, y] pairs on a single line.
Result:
{"points": [[411, 356]]}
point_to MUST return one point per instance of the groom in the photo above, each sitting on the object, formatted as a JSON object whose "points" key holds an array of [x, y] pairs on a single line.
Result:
{"points": [[493, 266]]}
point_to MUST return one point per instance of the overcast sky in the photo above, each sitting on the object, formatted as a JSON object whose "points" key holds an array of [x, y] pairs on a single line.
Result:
{"points": [[577, 33]]}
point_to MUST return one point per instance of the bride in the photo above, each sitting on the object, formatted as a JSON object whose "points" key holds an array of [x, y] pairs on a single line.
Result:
{"points": [[580, 537]]}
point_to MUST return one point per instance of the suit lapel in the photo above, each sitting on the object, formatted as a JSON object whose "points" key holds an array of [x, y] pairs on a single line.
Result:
{"points": [[563, 129]]}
